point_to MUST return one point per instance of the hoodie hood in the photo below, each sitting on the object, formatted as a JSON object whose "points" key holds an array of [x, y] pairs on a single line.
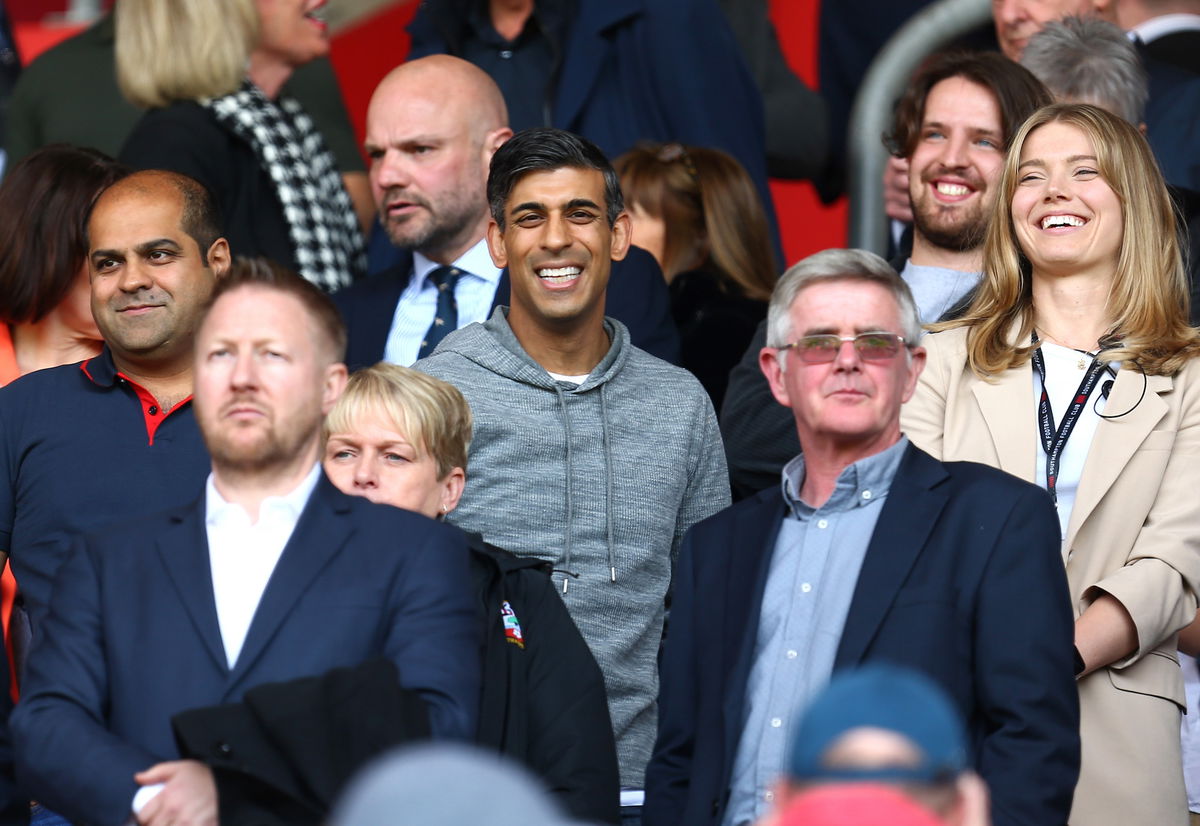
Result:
{"points": [[477, 343]]}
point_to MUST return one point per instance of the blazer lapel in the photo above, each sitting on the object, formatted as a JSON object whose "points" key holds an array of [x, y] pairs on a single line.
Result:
{"points": [[751, 542], [585, 53], [377, 313], [183, 549], [1006, 402], [319, 535], [1116, 440], [909, 514]]}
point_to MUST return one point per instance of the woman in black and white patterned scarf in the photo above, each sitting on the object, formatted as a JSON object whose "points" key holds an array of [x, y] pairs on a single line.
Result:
{"points": [[212, 73]]}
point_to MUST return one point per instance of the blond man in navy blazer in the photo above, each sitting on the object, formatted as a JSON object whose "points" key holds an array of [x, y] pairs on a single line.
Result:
{"points": [[272, 574]]}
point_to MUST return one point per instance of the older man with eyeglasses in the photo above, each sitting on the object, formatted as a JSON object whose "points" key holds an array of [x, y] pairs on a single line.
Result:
{"points": [[869, 550]]}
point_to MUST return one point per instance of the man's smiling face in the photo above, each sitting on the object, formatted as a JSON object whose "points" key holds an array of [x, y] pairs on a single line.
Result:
{"points": [[149, 278], [558, 247], [956, 164]]}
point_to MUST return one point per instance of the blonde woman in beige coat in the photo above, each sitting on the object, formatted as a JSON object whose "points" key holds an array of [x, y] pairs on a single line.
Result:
{"points": [[1084, 297]]}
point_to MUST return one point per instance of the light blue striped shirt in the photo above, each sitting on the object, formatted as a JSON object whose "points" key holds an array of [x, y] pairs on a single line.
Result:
{"points": [[417, 306], [810, 583]]}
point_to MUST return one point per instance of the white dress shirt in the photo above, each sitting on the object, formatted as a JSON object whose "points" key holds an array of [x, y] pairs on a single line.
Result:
{"points": [[417, 307], [242, 555]]}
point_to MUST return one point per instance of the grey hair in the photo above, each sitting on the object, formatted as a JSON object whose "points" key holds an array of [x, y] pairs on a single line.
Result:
{"points": [[838, 265], [1088, 60]]}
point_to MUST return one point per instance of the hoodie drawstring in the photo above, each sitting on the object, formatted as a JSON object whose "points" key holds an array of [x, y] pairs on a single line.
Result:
{"points": [[608, 485], [566, 417]]}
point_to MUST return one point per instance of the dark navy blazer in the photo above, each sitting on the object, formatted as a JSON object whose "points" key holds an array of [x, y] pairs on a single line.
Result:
{"points": [[963, 580], [1173, 119], [132, 638], [637, 297]]}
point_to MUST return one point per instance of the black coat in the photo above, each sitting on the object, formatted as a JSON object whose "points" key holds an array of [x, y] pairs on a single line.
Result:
{"points": [[716, 323], [283, 754], [185, 137], [543, 699]]}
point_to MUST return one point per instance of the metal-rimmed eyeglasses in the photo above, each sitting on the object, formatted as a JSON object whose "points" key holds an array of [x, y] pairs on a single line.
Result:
{"points": [[874, 346]]}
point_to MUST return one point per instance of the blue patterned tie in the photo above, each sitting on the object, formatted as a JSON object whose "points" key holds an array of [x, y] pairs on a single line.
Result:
{"points": [[446, 317]]}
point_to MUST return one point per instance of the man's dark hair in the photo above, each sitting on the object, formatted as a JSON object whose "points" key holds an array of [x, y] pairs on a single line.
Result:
{"points": [[201, 217], [1018, 93], [263, 273], [546, 149], [44, 204]]}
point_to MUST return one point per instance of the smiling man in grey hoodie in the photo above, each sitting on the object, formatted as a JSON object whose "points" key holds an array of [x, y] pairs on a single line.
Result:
{"points": [[588, 452]]}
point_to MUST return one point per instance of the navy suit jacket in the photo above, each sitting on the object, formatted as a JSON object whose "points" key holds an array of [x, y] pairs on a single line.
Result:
{"points": [[132, 638], [963, 580], [637, 297], [1173, 119], [1179, 48]]}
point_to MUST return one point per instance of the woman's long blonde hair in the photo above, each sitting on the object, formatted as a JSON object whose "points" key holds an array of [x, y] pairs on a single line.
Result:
{"points": [[169, 50], [1149, 298]]}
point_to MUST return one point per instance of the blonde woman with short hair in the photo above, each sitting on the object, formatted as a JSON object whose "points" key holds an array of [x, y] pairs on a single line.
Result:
{"points": [[1075, 368], [400, 437]]}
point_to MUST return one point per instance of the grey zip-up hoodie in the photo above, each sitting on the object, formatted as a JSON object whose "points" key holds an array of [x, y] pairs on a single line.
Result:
{"points": [[602, 480]]}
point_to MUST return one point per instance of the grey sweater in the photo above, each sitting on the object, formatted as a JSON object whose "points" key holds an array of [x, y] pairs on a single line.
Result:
{"points": [[602, 480]]}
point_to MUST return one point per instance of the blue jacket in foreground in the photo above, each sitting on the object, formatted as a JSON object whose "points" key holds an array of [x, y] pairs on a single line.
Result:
{"points": [[132, 638]]}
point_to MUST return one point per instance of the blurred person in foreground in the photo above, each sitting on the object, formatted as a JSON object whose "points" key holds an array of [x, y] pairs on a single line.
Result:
{"points": [[882, 725], [446, 785]]}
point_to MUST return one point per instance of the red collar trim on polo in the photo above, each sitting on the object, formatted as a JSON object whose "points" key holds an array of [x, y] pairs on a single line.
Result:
{"points": [[102, 371]]}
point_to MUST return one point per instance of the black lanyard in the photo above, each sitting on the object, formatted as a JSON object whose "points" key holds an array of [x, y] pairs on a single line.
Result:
{"points": [[1054, 442]]}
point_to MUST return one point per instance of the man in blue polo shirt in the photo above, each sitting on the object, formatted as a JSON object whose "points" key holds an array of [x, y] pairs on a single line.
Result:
{"points": [[113, 438]]}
